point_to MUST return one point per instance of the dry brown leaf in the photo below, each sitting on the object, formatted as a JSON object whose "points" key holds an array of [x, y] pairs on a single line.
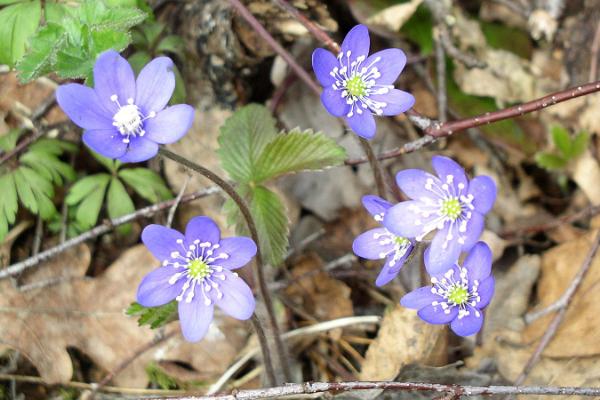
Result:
{"points": [[395, 16], [403, 339], [586, 173]]}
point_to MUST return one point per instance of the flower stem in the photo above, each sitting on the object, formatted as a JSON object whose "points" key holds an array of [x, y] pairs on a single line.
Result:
{"points": [[258, 270]]}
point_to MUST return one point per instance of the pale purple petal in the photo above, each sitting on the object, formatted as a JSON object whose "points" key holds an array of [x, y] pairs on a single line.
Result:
{"points": [[483, 189], [368, 244], [333, 102], [323, 63], [437, 315], [203, 229], [402, 220], [362, 124], [469, 324], [478, 262], [445, 167], [161, 241], [139, 149], [419, 298], [375, 205], [389, 271], [155, 289], [113, 76], [413, 183], [107, 142], [486, 292], [239, 250], [356, 42], [155, 85], [474, 230], [238, 300], [397, 101], [389, 62], [442, 254], [170, 124], [81, 104], [195, 318]]}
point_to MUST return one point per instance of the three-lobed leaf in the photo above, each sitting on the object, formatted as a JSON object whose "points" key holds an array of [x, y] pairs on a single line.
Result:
{"points": [[88, 194], [118, 203], [147, 183]]}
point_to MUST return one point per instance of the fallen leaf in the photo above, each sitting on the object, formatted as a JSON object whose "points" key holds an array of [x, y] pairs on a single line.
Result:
{"points": [[586, 173], [394, 17]]}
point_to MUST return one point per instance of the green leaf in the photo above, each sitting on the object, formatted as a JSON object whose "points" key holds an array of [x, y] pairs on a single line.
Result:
{"points": [[152, 32], [88, 193], [242, 139], [155, 317], [147, 183], [419, 29], [579, 144], [297, 151], [119, 203], [138, 60], [271, 223], [108, 163], [561, 139], [99, 17], [171, 44], [179, 94], [550, 161], [85, 186], [17, 23], [42, 53], [502, 36], [54, 13], [8, 204], [8, 141]]}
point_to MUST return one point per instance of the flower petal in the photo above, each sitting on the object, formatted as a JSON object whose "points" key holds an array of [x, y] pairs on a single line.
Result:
{"points": [[239, 250], [375, 205], [81, 104], [478, 263], [155, 85], [389, 63], [445, 167], [389, 271], [139, 149], [323, 63], [486, 292], [362, 124], [161, 241], [469, 324], [413, 183], [203, 229], [419, 298], [170, 124], [238, 300], [368, 244], [397, 101], [357, 42], [333, 102], [442, 254], [195, 318], [437, 315], [113, 76], [155, 289], [483, 189], [107, 142], [403, 220], [474, 229]]}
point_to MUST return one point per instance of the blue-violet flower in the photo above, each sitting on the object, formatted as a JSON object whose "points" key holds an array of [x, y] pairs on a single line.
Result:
{"points": [[379, 243], [125, 118], [197, 272], [357, 85], [448, 202], [458, 295]]}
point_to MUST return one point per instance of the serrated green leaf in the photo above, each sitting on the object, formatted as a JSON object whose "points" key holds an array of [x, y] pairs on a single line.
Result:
{"points": [[561, 139], [119, 203], [99, 17], [297, 151], [89, 207], [17, 23], [40, 58], [271, 223], [54, 13], [242, 139], [155, 317], [8, 141], [147, 183], [550, 161], [579, 144]]}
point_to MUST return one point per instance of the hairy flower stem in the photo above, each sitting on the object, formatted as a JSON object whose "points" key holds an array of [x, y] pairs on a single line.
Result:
{"points": [[258, 270]]}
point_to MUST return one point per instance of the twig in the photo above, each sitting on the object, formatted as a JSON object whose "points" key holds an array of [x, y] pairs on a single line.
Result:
{"points": [[466, 59], [440, 67], [173, 208], [37, 237], [259, 264], [564, 301], [594, 56], [107, 226], [375, 166]]}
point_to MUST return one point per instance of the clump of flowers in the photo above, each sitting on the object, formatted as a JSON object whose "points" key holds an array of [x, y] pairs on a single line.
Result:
{"points": [[458, 295], [379, 243], [447, 203], [358, 86], [197, 272], [123, 117]]}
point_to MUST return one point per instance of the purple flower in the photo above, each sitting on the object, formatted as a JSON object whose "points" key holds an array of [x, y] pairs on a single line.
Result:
{"points": [[379, 243], [357, 85], [196, 271], [124, 117], [447, 202], [458, 295]]}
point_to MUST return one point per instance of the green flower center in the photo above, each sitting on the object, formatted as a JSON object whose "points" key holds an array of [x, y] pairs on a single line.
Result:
{"points": [[400, 241], [458, 295], [451, 208], [356, 86], [198, 269]]}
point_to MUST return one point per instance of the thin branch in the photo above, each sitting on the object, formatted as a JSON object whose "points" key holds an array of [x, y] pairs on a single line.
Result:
{"points": [[594, 55], [375, 166], [107, 226], [173, 208], [466, 59], [440, 67]]}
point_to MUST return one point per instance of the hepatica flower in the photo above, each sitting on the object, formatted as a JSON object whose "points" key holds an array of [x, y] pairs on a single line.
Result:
{"points": [[448, 203], [379, 243], [197, 272], [458, 295], [358, 86], [124, 117]]}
